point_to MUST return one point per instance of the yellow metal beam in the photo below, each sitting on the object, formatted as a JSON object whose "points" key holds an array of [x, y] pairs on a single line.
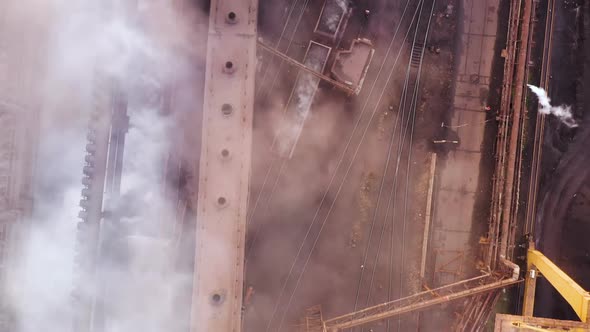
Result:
{"points": [[530, 285], [511, 323], [529, 327], [573, 293]]}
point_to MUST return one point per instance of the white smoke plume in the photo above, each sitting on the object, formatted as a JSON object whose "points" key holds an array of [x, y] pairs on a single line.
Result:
{"points": [[297, 112], [343, 4], [334, 14], [77, 40], [146, 286], [562, 112], [40, 281]]}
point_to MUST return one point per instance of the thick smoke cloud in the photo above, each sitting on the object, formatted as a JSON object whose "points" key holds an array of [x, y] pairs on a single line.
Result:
{"points": [[293, 123], [146, 57], [562, 112]]}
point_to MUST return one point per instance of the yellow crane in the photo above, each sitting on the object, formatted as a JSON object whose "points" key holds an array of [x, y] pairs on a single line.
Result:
{"points": [[578, 298], [573, 293]]}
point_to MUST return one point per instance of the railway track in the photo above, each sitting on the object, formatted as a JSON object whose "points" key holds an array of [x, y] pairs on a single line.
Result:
{"points": [[283, 161], [504, 205], [262, 91], [290, 29], [539, 124], [403, 136], [411, 87], [405, 120], [475, 322], [538, 129]]}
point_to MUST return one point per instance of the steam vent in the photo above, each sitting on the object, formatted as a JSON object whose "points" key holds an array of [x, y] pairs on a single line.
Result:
{"points": [[294, 166]]}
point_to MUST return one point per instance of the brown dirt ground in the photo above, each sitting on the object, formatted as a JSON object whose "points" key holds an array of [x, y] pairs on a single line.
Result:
{"points": [[332, 275]]}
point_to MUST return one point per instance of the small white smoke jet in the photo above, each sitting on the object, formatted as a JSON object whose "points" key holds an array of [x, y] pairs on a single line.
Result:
{"points": [[563, 112]]}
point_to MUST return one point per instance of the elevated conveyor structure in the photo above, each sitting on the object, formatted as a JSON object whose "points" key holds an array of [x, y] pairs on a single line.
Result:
{"points": [[91, 214], [419, 301], [224, 166]]}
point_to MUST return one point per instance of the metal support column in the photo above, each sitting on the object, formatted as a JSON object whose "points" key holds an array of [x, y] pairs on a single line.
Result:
{"points": [[573, 293]]}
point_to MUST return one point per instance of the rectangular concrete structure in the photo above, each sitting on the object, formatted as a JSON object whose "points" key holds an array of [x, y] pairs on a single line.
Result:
{"points": [[224, 166]]}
